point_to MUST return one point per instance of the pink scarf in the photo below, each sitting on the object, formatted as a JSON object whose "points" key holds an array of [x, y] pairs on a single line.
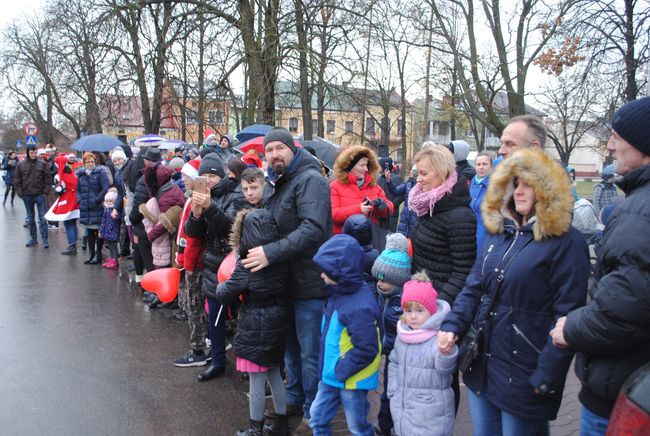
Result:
{"points": [[414, 336], [422, 202]]}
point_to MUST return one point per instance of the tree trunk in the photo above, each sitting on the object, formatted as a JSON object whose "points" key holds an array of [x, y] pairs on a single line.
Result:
{"points": [[305, 93]]}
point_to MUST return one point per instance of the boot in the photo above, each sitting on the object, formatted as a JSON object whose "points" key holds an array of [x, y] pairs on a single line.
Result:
{"points": [[256, 428], [91, 256], [279, 427], [71, 250], [84, 243]]}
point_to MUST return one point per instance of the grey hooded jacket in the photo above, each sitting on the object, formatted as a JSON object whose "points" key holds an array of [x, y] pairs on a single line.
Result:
{"points": [[419, 383]]}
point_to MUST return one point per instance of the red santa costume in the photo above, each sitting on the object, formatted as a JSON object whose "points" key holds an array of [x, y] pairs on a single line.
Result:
{"points": [[65, 207]]}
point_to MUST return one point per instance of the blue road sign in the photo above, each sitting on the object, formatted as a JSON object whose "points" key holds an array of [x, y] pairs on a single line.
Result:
{"points": [[31, 140], [19, 143]]}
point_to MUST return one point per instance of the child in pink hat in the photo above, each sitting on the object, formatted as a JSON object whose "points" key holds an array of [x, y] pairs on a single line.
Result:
{"points": [[423, 378]]}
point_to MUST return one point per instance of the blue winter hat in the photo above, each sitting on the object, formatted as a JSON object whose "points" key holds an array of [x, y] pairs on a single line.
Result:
{"points": [[393, 264], [631, 123]]}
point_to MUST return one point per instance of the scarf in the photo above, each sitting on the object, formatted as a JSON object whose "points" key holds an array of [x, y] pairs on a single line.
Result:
{"points": [[478, 179], [413, 336], [422, 202]]}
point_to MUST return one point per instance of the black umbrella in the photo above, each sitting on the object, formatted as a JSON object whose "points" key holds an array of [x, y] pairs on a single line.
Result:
{"points": [[325, 151]]}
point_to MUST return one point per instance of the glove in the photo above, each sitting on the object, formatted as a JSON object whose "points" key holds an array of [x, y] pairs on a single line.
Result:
{"points": [[379, 205]]}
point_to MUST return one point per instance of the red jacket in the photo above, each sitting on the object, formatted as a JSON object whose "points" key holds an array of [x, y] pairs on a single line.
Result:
{"points": [[347, 199], [190, 250]]}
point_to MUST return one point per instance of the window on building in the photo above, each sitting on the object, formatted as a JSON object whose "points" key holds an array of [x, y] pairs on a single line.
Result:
{"points": [[215, 116], [349, 126], [401, 127], [293, 124], [443, 128], [190, 116], [314, 126], [370, 126], [331, 126], [432, 126]]}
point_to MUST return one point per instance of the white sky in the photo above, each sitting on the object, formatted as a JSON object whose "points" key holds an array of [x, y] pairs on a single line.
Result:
{"points": [[12, 9]]}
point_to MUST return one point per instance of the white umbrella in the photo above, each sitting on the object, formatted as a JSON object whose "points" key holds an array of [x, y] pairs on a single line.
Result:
{"points": [[150, 140], [171, 144]]}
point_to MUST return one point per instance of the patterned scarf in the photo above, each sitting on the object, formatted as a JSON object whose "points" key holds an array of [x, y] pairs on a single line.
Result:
{"points": [[422, 202], [409, 336]]}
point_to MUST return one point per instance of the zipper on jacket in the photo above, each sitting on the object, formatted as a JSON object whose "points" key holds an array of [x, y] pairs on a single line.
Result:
{"points": [[485, 258], [525, 338]]}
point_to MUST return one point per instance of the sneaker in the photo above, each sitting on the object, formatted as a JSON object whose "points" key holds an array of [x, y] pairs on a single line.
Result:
{"points": [[180, 315], [31, 243], [45, 244], [191, 359]]}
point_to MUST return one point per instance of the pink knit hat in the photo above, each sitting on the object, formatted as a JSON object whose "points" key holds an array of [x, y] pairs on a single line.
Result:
{"points": [[420, 292]]}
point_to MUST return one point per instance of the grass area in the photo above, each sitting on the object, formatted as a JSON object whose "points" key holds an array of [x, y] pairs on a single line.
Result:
{"points": [[586, 189]]}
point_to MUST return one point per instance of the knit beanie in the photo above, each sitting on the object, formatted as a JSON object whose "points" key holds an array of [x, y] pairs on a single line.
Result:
{"points": [[176, 163], [118, 154], [420, 292], [110, 197], [393, 264], [152, 154], [280, 134], [212, 164], [631, 123], [191, 169]]}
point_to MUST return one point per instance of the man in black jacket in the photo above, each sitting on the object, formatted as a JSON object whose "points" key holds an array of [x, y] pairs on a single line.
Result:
{"points": [[33, 183], [302, 208], [612, 332]]}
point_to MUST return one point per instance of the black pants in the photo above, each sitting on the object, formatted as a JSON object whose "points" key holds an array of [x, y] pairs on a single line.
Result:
{"points": [[142, 258], [95, 243], [11, 188]]}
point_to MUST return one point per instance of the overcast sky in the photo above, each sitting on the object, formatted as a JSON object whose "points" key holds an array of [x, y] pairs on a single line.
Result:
{"points": [[12, 9]]}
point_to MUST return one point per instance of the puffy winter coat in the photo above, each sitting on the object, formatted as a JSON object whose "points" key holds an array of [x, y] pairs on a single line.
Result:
{"points": [[9, 165], [407, 218], [444, 245], [262, 326], [419, 383], [161, 245], [91, 189], [214, 227], [347, 196], [32, 177], [585, 218], [350, 349], [390, 305], [612, 332], [301, 207], [543, 267], [168, 195], [396, 180], [477, 192]]}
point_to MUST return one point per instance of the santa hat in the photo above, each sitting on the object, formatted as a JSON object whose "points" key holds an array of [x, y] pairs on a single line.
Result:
{"points": [[191, 169], [252, 160]]}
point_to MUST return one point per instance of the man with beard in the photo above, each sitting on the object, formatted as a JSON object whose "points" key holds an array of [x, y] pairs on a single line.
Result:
{"points": [[301, 206], [33, 183]]}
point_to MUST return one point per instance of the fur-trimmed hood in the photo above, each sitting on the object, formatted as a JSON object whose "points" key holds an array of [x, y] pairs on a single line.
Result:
{"points": [[345, 158], [251, 228], [553, 196]]}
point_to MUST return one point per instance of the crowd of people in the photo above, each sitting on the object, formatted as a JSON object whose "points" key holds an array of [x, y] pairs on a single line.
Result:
{"points": [[479, 272]]}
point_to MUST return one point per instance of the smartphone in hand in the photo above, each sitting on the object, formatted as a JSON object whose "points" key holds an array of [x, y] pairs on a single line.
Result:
{"points": [[201, 185]]}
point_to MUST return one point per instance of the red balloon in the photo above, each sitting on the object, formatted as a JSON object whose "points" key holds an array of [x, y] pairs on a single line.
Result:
{"points": [[163, 282], [227, 267]]}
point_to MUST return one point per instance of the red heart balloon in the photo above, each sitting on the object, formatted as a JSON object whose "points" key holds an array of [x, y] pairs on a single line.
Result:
{"points": [[163, 282], [227, 267]]}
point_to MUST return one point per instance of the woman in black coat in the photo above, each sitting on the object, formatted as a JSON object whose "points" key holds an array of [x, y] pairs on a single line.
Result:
{"points": [[444, 235], [92, 185], [262, 328]]}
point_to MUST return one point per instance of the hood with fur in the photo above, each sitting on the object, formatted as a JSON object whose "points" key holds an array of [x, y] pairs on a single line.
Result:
{"points": [[345, 158], [252, 227], [553, 196]]}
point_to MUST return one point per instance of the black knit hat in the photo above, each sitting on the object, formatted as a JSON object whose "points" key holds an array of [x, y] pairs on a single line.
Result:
{"points": [[280, 134], [152, 154], [212, 164], [631, 123]]}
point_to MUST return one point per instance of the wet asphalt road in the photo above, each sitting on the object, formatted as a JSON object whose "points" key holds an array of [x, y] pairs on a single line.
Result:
{"points": [[81, 355]]}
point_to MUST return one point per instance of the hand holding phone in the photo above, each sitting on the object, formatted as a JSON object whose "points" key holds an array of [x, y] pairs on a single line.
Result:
{"points": [[201, 185]]}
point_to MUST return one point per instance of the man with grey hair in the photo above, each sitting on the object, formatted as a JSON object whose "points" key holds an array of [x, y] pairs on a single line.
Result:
{"points": [[522, 131]]}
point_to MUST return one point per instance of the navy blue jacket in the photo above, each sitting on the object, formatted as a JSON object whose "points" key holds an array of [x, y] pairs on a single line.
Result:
{"points": [[543, 281], [91, 190], [390, 304], [359, 227], [407, 218], [350, 351]]}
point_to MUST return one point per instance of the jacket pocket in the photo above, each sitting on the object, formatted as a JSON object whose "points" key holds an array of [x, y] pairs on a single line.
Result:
{"points": [[525, 338]]}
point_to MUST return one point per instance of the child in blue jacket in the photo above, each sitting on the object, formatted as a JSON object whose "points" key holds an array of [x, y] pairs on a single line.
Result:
{"points": [[391, 270], [350, 349]]}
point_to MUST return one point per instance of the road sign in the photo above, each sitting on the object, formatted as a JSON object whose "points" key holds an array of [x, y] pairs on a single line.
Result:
{"points": [[19, 143], [30, 140], [30, 129]]}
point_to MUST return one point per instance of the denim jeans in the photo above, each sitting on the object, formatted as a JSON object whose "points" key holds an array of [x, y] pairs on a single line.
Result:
{"points": [[71, 230], [488, 420], [303, 348], [217, 334], [592, 424], [39, 201], [326, 404]]}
